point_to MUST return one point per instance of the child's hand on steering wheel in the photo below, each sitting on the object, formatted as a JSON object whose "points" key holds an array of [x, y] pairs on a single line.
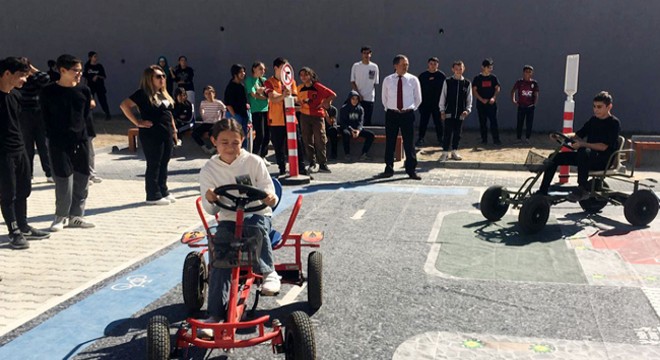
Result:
{"points": [[211, 196], [270, 200]]}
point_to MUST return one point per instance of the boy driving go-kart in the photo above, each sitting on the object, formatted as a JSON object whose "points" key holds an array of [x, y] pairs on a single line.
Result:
{"points": [[236, 166], [601, 132]]}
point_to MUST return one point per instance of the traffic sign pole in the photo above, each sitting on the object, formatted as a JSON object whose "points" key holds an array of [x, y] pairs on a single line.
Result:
{"points": [[294, 178], [570, 89]]}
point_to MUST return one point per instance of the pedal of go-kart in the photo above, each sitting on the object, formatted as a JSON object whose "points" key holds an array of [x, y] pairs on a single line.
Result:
{"points": [[192, 237], [312, 236]]}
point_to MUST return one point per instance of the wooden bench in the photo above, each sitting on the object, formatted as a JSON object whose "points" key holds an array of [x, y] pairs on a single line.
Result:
{"points": [[641, 143], [379, 138]]}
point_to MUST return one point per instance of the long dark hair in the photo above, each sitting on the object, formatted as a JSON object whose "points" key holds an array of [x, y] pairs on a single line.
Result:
{"points": [[311, 73]]}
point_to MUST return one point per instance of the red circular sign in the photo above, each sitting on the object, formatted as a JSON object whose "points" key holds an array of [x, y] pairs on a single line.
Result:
{"points": [[286, 75]]}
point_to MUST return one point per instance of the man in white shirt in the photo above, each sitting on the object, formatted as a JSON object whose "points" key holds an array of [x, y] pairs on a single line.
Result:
{"points": [[364, 78], [402, 95]]}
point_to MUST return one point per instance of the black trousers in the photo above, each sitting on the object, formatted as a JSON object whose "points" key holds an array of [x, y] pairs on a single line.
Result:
{"points": [[103, 100], [332, 133], [15, 188], [260, 125], [452, 133], [393, 123], [368, 107], [367, 135], [585, 159], [424, 115], [199, 131], [488, 112], [279, 139], [34, 132], [157, 151], [526, 117]]}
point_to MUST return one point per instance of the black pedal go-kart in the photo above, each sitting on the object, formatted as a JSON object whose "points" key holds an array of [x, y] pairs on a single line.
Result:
{"points": [[640, 206]]}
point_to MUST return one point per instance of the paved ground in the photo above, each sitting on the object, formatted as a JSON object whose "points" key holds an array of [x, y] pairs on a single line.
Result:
{"points": [[425, 278]]}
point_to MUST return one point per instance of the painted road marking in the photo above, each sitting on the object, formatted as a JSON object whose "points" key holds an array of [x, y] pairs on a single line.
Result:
{"points": [[358, 214], [291, 296]]}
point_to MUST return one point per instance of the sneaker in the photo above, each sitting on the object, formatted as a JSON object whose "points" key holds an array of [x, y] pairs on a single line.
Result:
{"points": [[268, 163], [365, 157], [170, 198], [312, 168], [419, 143], [456, 156], [49, 179], [348, 158], [161, 201], [206, 333], [178, 143], [31, 233], [578, 194], [443, 157], [209, 150], [59, 223], [324, 168], [271, 285], [17, 241], [95, 179], [80, 222]]}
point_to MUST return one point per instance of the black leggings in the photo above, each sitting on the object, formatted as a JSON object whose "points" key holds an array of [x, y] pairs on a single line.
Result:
{"points": [[15, 188], [260, 125], [157, 151]]}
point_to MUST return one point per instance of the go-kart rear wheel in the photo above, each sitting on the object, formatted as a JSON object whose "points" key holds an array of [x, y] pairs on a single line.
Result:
{"points": [[641, 207], [493, 203], [299, 342], [158, 338], [194, 281], [315, 280], [534, 214], [593, 205]]}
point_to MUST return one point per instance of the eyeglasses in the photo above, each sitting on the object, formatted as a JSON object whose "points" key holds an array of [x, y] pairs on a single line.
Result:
{"points": [[159, 76]]}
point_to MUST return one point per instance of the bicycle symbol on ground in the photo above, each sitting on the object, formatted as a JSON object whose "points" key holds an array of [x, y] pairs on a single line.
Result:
{"points": [[133, 282]]}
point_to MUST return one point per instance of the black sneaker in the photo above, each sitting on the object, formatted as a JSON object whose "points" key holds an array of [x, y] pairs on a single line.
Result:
{"points": [[324, 168], [31, 233], [578, 194], [17, 241]]}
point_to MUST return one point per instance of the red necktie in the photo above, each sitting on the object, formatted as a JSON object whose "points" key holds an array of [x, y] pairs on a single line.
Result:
{"points": [[399, 95]]}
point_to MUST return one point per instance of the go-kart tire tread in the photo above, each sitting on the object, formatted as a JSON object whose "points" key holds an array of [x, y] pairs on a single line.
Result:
{"points": [[193, 281], [315, 280], [534, 214], [299, 342], [490, 205], [158, 338], [641, 207]]}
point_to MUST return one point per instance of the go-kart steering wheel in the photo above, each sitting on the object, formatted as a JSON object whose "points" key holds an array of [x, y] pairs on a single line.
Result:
{"points": [[251, 194], [563, 140]]}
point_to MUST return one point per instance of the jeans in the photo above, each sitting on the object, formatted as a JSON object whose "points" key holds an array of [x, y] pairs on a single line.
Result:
{"points": [[15, 188], [585, 159], [525, 116], [452, 133], [244, 121], [488, 112], [255, 229]]}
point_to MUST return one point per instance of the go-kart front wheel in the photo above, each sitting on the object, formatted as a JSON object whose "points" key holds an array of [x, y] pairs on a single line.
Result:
{"points": [[158, 338], [315, 280], [534, 214], [493, 203], [299, 342], [194, 281], [641, 207], [593, 204]]}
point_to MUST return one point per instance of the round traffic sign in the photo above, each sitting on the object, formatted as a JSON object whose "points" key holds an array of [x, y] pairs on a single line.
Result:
{"points": [[286, 75]]}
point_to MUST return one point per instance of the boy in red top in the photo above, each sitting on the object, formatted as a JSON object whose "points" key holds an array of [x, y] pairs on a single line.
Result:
{"points": [[314, 97], [525, 94], [276, 92]]}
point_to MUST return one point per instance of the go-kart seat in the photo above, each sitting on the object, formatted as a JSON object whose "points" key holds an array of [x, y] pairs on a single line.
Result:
{"points": [[615, 161]]}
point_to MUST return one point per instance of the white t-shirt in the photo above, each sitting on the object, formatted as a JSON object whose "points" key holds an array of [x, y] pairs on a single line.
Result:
{"points": [[216, 173], [365, 77]]}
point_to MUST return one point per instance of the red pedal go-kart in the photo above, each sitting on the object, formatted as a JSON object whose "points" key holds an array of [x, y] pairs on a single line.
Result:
{"points": [[295, 339]]}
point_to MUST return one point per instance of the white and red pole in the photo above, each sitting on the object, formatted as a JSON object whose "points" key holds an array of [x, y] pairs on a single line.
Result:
{"points": [[570, 89], [294, 178]]}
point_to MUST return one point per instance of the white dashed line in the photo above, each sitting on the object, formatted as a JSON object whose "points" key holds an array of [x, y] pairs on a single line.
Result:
{"points": [[291, 296], [358, 214]]}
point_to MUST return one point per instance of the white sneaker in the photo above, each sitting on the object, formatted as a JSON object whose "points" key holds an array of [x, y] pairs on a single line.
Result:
{"points": [[268, 163], [95, 179], [443, 157], [59, 223], [207, 333], [455, 156], [161, 201], [80, 222], [50, 180], [170, 198], [178, 143], [271, 285]]}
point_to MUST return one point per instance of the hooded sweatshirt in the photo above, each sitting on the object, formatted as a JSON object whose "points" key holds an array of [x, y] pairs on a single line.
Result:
{"points": [[351, 116]]}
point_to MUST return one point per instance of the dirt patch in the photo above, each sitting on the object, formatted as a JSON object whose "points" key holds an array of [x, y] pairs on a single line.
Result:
{"points": [[111, 132]]}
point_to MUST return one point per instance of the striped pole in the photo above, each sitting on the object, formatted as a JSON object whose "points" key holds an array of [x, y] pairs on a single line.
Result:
{"points": [[291, 137], [570, 89]]}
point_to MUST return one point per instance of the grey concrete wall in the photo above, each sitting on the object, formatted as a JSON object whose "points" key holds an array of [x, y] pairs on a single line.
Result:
{"points": [[615, 40]]}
